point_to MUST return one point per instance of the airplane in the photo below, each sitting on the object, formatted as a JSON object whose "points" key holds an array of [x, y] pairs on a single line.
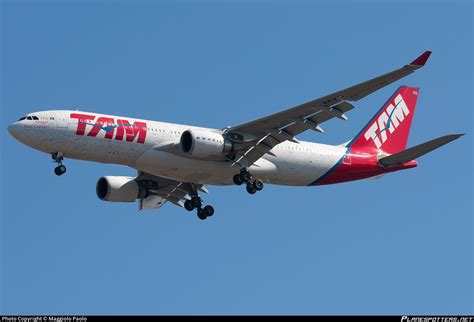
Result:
{"points": [[174, 161]]}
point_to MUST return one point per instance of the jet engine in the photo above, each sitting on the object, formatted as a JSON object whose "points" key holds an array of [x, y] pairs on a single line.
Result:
{"points": [[201, 143], [125, 189]]}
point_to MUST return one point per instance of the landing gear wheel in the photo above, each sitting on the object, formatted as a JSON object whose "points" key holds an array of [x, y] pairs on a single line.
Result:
{"points": [[208, 210], [250, 188], [58, 158], [245, 176], [258, 184], [60, 170], [238, 179], [196, 202], [188, 205], [201, 214]]}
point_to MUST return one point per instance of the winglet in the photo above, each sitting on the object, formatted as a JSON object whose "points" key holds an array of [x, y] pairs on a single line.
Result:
{"points": [[421, 60]]}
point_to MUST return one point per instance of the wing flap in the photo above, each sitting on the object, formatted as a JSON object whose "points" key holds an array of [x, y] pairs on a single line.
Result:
{"points": [[162, 190], [151, 202]]}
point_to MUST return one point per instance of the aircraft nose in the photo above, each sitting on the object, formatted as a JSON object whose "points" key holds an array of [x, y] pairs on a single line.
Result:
{"points": [[14, 130]]}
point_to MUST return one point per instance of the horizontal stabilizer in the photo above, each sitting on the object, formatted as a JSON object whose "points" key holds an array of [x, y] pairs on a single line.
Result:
{"points": [[417, 151]]}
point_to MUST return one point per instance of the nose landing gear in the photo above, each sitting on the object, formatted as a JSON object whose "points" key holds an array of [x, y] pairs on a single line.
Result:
{"points": [[252, 185], [58, 158], [196, 203]]}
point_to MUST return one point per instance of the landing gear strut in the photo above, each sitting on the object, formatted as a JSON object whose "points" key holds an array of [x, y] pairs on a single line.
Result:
{"points": [[252, 185], [196, 203], [58, 158]]}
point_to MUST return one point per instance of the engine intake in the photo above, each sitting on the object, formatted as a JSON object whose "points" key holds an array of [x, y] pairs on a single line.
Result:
{"points": [[204, 143], [119, 189]]}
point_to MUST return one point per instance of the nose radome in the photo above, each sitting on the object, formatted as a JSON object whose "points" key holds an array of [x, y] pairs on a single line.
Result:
{"points": [[14, 130]]}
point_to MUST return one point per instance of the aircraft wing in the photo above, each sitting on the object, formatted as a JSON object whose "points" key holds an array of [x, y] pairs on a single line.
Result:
{"points": [[162, 190], [254, 139]]}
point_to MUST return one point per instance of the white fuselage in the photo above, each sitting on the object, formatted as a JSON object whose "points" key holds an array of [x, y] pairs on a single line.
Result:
{"points": [[55, 131]]}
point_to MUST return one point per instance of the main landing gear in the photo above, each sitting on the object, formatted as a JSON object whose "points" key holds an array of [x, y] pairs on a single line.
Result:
{"points": [[252, 185], [196, 203], [58, 158]]}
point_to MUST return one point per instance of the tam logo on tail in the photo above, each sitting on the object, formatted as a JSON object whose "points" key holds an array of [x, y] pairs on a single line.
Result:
{"points": [[389, 129], [389, 120]]}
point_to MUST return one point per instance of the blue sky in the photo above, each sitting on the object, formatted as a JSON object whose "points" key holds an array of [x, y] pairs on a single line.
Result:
{"points": [[398, 245]]}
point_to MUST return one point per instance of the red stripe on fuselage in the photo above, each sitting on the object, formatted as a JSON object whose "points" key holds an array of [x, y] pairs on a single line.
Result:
{"points": [[359, 164]]}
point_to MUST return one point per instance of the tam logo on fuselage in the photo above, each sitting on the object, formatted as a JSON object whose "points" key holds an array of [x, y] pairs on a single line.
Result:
{"points": [[121, 128], [389, 120]]}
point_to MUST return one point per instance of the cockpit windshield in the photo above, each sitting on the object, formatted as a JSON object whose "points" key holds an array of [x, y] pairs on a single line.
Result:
{"points": [[29, 118]]}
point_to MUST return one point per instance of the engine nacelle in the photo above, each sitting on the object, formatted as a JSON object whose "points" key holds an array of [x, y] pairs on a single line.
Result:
{"points": [[124, 189], [200, 143]]}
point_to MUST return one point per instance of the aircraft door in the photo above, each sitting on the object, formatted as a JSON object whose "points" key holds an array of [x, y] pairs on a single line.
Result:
{"points": [[61, 121]]}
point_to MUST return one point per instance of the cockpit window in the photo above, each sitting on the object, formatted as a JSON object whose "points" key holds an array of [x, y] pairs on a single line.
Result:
{"points": [[30, 118]]}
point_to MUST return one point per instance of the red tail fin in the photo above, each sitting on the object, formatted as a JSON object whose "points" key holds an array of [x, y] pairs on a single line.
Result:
{"points": [[388, 130]]}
